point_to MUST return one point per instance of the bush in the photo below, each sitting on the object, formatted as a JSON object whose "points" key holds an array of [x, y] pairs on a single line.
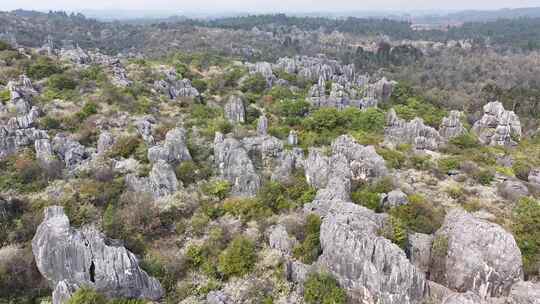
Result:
{"points": [[526, 227], [5, 96], [189, 172], [89, 109], [393, 158], [86, 295], [200, 85], [125, 147], [239, 258], [396, 232], [220, 188], [521, 170], [484, 177], [255, 83], [61, 82], [246, 209], [310, 248], [418, 215], [292, 111], [42, 68], [448, 164], [465, 141], [323, 289], [369, 195]]}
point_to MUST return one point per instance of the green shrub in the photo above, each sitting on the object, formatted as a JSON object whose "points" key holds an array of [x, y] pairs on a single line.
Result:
{"points": [[239, 258], [398, 232], [219, 188], [418, 215], [323, 289], [393, 158], [292, 111], [5, 96], [421, 162], [61, 82], [246, 209], [255, 83], [439, 248], [367, 198], [310, 248], [50, 123], [484, 177], [465, 141], [526, 227], [86, 295], [189, 172], [273, 195], [521, 169], [125, 146], [448, 164], [200, 85], [42, 68], [89, 109], [4, 46], [280, 93]]}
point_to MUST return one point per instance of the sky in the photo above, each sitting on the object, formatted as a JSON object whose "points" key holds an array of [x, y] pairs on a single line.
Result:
{"points": [[265, 5]]}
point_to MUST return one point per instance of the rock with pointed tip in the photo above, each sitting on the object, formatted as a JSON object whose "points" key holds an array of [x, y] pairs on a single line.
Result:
{"points": [[498, 127], [235, 111], [415, 133], [452, 126]]}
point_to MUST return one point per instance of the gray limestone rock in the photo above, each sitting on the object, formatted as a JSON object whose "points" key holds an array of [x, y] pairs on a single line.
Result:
{"points": [[162, 179], [524, 293], [463, 298], [105, 142], [262, 126], [534, 177], [279, 239], [235, 166], [173, 150], [44, 152], [394, 198], [292, 140], [68, 258], [471, 254], [451, 126], [370, 267], [415, 133], [364, 162], [498, 127], [69, 151], [174, 87], [317, 168], [12, 140], [419, 250], [235, 111], [513, 190], [217, 297], [144, 127]]}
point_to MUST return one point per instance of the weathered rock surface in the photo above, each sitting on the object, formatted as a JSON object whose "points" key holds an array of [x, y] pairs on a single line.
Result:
{"points": [[463, 298], [105, 142], [21, 93], [524, 293], [144, 127], [11, 140], [70, 258], [451, 126], [160, 182], [475, 255], [173, 150], [174, 87], [234, 110], [419, 250], [293, 138], [279, 239], [513, 189], [44, 152], [370, 267], [262, 126], [69, 150], [498, 127], [394, 198], [235, 166], [415, 133]]}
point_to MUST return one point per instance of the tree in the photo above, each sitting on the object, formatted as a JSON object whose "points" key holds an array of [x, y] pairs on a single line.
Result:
{"points": [[239, 258]]}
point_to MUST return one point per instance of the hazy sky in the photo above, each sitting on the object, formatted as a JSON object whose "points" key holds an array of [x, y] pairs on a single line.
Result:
{"points": [[265, 5]]}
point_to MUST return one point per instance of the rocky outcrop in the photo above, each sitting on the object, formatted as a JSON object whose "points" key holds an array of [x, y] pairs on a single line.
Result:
{"points": [[451, 126], [234, 165], [498, 127], [364, 162], [105, 142], [513, 190], [265, 69], [292, 139], [262, 126], [370, 267], [173, 87], [75, 55], [12, 140], [144, 127], [279, 239], [393, 199], [69, 258], [419, 250], [160, 182], [234, 110], [44, 152], [173, 150], [524, 293], [21, 93], [471, 254], [415, 133], [71, 152], [463, 298]]}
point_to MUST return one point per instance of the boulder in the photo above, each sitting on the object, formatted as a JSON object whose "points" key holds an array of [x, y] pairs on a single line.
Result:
{"points": [[173, 150], [69, 258], [262, 126], [105, 142], [69, 151], [415, 133], [44, 152], [279, 239], [394, 198], [472, 254], [144, 127], [234, 110], [451, 126], [419, 250], [317, 168], [513, 190], [370, 267], [364, 162], [163, 179], [498, 127], [292, 139], [234, 165], [524, 293]]}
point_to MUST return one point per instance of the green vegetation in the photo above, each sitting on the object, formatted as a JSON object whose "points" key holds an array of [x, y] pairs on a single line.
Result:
{"points": [[310, 247], [526, 230], [255, 83], [239, 258], [369, 195], [418, 215], [86, 295], [323, 289], [43, 68]]}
